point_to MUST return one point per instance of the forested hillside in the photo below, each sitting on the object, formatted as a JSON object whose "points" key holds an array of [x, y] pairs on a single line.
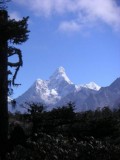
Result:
{"points": [[62, 134]]}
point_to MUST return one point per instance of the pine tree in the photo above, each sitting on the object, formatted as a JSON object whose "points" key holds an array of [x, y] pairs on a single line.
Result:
{"points": [[11, 32], [3, 4]]}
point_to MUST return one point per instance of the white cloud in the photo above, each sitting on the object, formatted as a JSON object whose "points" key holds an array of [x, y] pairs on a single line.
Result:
{"points": [[69, 26], [48, 7], [86, 12], [106, 11], [14, 15]]}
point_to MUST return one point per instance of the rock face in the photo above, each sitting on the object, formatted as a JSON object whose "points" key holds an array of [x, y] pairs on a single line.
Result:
{"points": [[59, 90]]}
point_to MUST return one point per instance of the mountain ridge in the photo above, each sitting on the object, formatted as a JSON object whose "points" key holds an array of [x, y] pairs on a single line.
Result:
{"points": [[59, 90]]}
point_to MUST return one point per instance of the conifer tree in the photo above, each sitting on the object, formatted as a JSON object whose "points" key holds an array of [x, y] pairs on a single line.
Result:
{"points": [[11, 32]]}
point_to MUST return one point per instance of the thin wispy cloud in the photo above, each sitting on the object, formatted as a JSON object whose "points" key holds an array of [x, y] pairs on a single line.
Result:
{"points": [[14, 15], [87, 12], [69, 26]]}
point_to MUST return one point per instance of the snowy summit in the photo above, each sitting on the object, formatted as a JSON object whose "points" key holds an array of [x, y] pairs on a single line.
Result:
{"points": [[60, 75], [92, 85], [59, 90]]}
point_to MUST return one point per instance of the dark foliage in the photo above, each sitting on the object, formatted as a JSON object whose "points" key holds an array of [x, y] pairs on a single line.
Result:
{"points": [[16, 137], [62, 134], [11, 32], [3, 4]]}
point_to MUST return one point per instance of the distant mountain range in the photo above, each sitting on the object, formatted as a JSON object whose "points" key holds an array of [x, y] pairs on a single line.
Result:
{"points": [[59, 90]]}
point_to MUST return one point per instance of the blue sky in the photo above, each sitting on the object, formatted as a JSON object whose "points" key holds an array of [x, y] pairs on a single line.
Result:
{"points": [[83, 36]]}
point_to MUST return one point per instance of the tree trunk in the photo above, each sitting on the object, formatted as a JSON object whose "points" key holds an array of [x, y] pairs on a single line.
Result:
{"points": [[3, 86]]}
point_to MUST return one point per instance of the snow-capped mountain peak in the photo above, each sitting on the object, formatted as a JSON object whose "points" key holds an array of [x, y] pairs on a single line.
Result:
{"points": [[39, 82], [60, 75], [59, 90], [60, 69], [92, 85]]}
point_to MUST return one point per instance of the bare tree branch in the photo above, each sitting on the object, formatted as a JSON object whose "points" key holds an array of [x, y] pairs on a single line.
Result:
{"points": [[14, 51]]}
